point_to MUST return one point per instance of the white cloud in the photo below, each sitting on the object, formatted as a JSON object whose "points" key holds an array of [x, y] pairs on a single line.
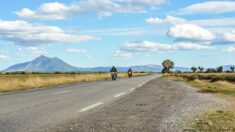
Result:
{"points": [[27, 34], [49, 11], [191, 46], [122, 54], [104, 14], [4, 57], [35, 51], [108, 7], [213, 7], [144, 2], [181, 29], [146, 46], [168, 20], [215, 22], [156, 47], [124, 31], [229, 49], [102, 8], [229, 36], [76, 50], [190, 32]]}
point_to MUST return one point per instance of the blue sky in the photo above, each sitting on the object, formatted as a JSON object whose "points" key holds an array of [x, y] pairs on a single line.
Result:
{"points": [[88, 33]]}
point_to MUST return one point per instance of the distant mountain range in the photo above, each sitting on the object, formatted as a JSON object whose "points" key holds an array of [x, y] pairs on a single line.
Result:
{"points": [[46, 64], [42, 64]]}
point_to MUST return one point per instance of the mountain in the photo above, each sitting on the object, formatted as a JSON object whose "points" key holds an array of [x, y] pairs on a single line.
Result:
{"points": [[46, 64], [42, 64]]}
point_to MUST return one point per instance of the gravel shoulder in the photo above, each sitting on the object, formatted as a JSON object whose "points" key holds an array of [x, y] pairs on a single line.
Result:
{"points": [[159, 106]]}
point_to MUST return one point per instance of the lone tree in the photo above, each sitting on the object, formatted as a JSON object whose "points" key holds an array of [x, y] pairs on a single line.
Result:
{"points": [[194, 69], [167, 65], [232, 68], [200, 69], [219, 69]]}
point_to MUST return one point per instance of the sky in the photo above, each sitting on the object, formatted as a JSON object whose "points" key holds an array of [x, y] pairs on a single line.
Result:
{"points": [[90, 33]]}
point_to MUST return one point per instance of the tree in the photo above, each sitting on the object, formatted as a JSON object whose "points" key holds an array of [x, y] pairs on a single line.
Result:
{"points": [[167, 65], [211, 70], [232, 68], [194, 69], [219, 69], [200, 69]]}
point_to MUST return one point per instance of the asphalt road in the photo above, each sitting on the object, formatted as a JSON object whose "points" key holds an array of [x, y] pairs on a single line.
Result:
{"points": [[159, 106], [32, 110]]}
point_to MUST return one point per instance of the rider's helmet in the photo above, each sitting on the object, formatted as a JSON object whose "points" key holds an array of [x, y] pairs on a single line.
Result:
{"points": [[113, 69]]}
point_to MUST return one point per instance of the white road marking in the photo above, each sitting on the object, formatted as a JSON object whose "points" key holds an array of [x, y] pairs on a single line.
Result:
{"points": [[140, 85], [66, 91], [91, 106], [118, 95], [132, 89]]}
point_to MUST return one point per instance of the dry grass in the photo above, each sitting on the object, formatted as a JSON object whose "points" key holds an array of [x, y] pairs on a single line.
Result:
{"points": [[16, 82], [217, 83], [218, 121], [213, 83]]}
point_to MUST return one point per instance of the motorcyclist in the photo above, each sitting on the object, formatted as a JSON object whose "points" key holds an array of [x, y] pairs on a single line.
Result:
{"points": [[113, 73], [129, 72]]}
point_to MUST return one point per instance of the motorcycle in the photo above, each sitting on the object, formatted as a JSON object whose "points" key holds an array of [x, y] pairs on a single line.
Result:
{"points": [[114, 75], [129, 74]]}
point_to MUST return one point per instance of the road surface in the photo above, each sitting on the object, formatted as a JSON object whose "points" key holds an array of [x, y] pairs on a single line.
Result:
{"points": [[34, 110], [158, 106]]}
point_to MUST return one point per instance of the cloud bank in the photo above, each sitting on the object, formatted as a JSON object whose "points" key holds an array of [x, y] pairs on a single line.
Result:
{"points": [[27, 34], [101, 8]]}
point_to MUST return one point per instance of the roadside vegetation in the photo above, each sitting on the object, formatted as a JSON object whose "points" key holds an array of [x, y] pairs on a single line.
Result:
{"points": [[218, 121], [22, 81], [210, 80], [219, 83]]}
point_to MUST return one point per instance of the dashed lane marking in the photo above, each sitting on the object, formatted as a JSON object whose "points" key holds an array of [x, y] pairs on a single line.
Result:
{"points": [[118, 95], [132, 89], [61, 92], [91, 107]]}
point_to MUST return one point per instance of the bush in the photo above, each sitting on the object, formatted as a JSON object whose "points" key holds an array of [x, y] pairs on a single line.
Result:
{"points": [[192, 77]]}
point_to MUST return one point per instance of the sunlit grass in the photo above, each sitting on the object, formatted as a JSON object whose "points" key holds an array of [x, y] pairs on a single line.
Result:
{"points": [[219, 83], [16, 82]]}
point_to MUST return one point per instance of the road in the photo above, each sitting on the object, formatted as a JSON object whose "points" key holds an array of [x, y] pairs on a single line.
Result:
{"points": [[32, 110], [159, 106]]}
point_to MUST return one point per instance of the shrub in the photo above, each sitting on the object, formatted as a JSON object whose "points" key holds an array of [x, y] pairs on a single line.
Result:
{"points": [[192, 77]]}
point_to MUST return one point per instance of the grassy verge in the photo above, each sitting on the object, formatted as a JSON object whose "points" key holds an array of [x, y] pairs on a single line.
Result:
{"points": [[218, 121], [17, 82], [220, 84]]}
